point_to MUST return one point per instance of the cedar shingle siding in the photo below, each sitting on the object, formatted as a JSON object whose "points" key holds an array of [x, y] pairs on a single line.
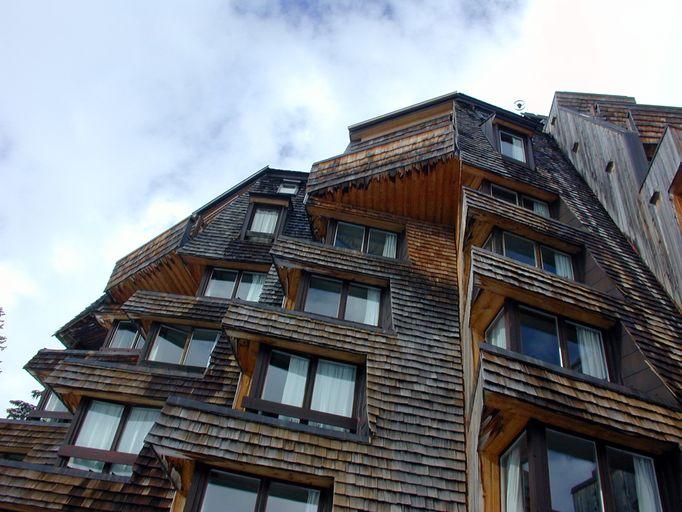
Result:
{"points": [[437, 405]]}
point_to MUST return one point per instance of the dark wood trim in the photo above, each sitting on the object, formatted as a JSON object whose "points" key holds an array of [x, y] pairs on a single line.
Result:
{"points": [[112, 331], [107, 456], [50, 415], [307, 415], [538, 468], [246, 233]]}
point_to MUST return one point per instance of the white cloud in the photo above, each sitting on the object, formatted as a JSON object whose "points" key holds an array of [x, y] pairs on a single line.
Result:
{"points": [[117, 119]]}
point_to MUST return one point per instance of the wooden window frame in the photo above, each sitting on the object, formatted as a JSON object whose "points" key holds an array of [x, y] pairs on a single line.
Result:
{"points": [[332, 231], [519, 199], [190, 331], [40, 413], [384, 320], [109, 457], [498, 245], [511, 311], [538, 466], [208, 272], [139, 339], [246, 234], [524, 139], [254, 403], [197, 491]]}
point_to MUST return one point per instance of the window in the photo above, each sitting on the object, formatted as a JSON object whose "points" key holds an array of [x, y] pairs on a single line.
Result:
{"points": [[252, 494], [109, 437], [183, 346], [289, 188], [531, 253], [126, 336], [306, 389], [263, 221], [50, 408], [549, 338], [376, 242], [342, 299], [230, 284], [529, 203], [513, 146], [574, 474]]}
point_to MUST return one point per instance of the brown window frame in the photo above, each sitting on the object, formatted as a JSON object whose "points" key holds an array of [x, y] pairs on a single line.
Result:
{"points": [[40, 413], [538, 466], [510, 310], [247, 234], [208, 272], [498, 247], [384, 320], [139, 338], [197, 491], [519, 199], [253, 402], [399, 246], [190, 330], [109, 457]]}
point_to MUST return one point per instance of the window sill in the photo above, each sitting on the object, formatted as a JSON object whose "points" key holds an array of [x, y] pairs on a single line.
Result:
{"points": [[190, 370], [512, 160], [265, 406], [106, 456]]}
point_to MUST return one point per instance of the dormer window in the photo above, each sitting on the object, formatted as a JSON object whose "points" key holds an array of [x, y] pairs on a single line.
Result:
{"points": [[374, 241], [531, 253], [513, 146], [549, 338], [345, 300], [126, 336], [230, 284], [264, 220], [513, 197], [288, 188], [183, 346]]}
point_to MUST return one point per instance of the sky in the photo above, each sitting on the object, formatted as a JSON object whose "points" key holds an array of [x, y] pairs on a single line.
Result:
{"points": [[119, 118]]}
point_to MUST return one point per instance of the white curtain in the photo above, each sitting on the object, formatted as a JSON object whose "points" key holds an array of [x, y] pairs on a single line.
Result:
{"points": [[372, 309], [140, 422], [541, 208], [256, 287], [264, 220], [512, 485], [591, 351], [645, 483], [497, 333], [563, 265], [100, 424], [390, 244], [334, 388], [294, 387], [313, 500]]}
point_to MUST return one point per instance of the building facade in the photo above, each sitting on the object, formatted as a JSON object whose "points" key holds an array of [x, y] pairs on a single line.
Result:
{"points": [[444, 317]]}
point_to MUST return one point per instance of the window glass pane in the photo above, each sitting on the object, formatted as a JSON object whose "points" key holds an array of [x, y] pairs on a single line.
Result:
{"points": [[138, 424], [250, 286], [514, 477], [54, 404], [349, 236], [633, 480], [539, 336], [200, 347], [586, 350], [557, 262], [285, 379], [264, 219], [382, 243], [519, 249], [168, 345], [512, 146], [334, 388], [288, 187], [291, 498], [496, 334], [504, 194], [125, 335], [539, 207], [324, 296], [362, 304], [227, 491], [86, 464], [221, 283], [99, 426], [573, 475]]}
